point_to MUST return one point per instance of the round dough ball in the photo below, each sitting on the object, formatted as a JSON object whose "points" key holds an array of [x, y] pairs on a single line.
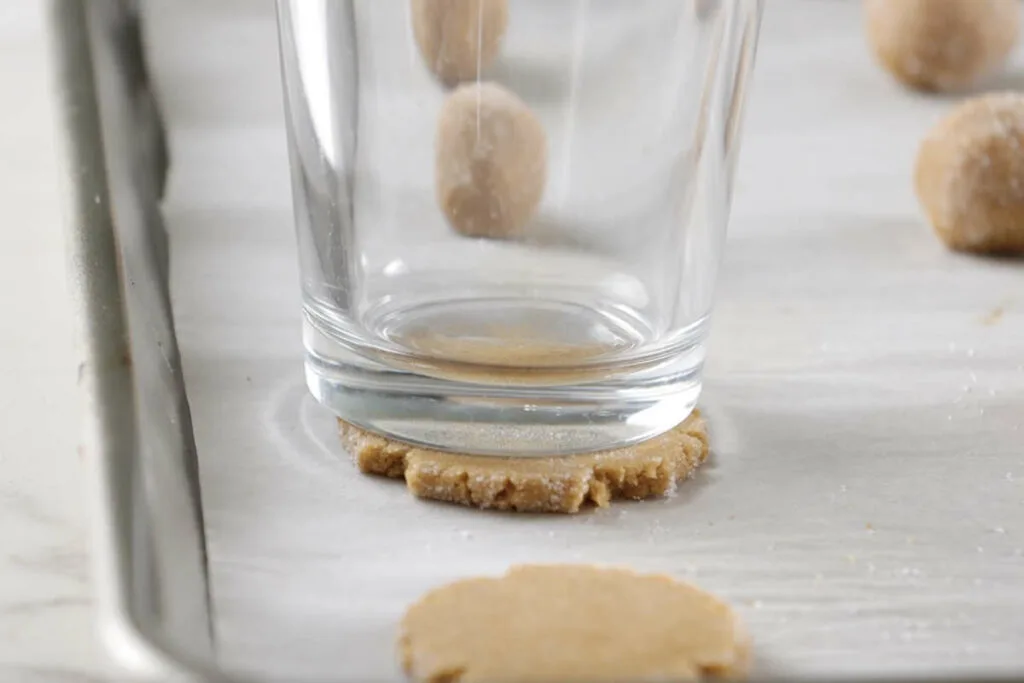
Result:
{"points": [[491, 161], [459, 38], [941, 44], [970, 175]]}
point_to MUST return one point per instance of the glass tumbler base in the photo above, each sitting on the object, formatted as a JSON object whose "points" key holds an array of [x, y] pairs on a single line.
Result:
{"points": [[522, 420]]}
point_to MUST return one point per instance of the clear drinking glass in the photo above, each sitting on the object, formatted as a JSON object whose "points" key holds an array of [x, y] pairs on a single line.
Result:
{"points": [[510, 213]]}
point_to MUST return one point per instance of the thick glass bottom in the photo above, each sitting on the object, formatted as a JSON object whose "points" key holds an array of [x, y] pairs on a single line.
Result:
{"points": [[433, 405]]}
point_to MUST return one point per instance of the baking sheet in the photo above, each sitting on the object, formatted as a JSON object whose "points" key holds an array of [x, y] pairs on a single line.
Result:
{"points": [[864, 505]]}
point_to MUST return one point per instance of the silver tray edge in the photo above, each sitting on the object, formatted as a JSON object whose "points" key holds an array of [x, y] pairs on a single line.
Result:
{"points": [[111, 429]]}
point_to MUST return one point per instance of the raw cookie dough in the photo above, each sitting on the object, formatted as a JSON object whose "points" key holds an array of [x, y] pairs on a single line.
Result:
{"points": [[941, 44], [490, 161], [458, 38], [570, 623], [970, 175], [560, 484]]}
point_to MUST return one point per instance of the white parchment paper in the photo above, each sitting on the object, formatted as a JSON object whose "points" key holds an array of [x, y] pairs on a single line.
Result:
{"points": [[864, 506]]}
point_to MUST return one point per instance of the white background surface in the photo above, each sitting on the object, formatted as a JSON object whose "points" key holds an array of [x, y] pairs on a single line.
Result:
{"points": [[852, 382], [864, 509]]}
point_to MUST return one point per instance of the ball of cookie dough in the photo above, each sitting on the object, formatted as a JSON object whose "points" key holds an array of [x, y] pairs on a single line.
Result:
{"points": [[459, 38], [970, 175], [941, 44], [491, 161]]}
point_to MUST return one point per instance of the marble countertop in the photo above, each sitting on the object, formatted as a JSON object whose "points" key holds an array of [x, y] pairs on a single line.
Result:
{"points": [[46, 612]]}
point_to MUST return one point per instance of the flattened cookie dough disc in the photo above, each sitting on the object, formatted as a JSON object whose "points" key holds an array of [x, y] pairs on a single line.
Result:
{"points": [[571, 623], [559, 484]]}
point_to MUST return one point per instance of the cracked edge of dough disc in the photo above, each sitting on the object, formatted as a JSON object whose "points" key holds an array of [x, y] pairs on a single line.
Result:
{"points": [[557, 484], [569, 622]]}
